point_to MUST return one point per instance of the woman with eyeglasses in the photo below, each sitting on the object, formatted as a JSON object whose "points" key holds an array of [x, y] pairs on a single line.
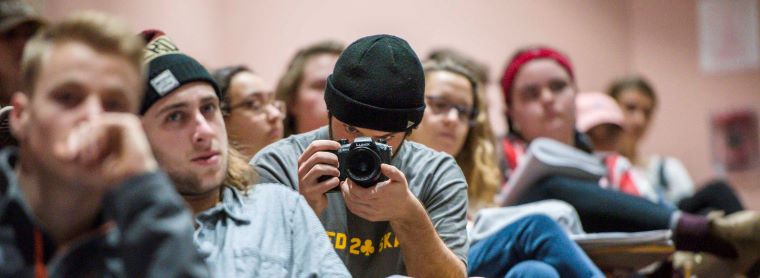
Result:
{"points": [[252, 115], [452, 123], [532, 246]]}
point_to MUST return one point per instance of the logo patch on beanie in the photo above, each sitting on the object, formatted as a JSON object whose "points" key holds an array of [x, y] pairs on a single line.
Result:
{"points": [[164, 82], [409, 124], [159, 47]]}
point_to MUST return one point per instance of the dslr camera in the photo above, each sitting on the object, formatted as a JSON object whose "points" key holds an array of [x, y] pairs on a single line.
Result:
{"points": [[360, 161]]}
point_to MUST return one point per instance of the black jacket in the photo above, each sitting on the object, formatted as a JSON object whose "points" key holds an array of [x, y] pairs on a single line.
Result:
{"points": [[152, 235]]}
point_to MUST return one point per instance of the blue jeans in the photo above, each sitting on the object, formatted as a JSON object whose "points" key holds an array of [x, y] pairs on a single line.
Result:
{"points": [[532, 269], [536, 239]]}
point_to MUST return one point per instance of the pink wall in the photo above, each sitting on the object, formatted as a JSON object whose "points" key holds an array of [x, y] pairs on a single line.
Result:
{"points": [[264, 34], [604, 38], [664, 46], [669, 57]]}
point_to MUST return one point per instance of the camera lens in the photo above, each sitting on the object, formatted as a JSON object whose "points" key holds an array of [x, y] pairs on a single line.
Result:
{"points": [[363, 166]]}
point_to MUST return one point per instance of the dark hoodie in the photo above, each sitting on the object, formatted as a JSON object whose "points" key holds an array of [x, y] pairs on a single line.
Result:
{"points": [[144, 230]]}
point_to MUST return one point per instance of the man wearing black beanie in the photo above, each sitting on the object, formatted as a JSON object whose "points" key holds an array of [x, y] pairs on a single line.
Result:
{"points": [[414, 222]]}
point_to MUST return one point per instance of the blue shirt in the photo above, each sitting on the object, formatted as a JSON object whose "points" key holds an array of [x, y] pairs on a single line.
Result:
{"points": [[268, 232]]}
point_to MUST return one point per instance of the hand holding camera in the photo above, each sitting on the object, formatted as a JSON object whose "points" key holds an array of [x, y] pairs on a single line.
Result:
{"points": [[325, 164], [390, 200], [318, 160], [360, 161]]}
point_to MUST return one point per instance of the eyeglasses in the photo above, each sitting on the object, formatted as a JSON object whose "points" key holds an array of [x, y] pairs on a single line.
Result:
{"points": [[439, 105], [258, 106]]}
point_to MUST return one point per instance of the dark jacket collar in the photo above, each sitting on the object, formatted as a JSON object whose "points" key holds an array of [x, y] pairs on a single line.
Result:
{"points": [[9, 187]]}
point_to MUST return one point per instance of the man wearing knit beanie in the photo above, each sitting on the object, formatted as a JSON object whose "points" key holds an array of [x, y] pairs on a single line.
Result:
{"points": [[242, 230], [414, 222]]}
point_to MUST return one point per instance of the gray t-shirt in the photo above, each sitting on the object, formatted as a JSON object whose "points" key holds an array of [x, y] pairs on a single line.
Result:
{"points": [[370, 249]]}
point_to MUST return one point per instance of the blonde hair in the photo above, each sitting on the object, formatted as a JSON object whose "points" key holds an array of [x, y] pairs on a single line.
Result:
{"points": [[99, 31], [477, 158], [240, 174], [287, 87]]}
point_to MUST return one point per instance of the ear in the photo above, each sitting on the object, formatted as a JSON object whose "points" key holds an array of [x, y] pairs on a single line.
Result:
{"points": [[19, 118]]}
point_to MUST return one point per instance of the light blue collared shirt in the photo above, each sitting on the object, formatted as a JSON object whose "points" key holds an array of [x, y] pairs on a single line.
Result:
{"points": [[268, 232]]}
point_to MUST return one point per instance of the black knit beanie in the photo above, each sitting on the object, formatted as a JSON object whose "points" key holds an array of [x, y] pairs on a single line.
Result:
{"points": [[169, 69], [377, 83]]}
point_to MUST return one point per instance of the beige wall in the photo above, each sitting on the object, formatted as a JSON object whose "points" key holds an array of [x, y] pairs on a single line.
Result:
{"points": [[604, 38]]}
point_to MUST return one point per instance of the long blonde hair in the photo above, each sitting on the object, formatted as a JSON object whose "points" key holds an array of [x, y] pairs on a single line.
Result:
{"points": [[477, 158], [240, 174], [479, 161]]}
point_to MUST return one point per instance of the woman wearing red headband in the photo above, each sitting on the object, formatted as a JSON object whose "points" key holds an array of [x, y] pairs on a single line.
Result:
{"points": [[539, 90]]}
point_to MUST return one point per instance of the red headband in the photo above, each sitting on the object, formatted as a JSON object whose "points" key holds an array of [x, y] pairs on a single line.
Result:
{"points": [[527, 56]]}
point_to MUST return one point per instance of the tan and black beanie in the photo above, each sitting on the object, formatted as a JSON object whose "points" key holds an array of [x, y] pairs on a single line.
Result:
{"points": [[169, 69]]}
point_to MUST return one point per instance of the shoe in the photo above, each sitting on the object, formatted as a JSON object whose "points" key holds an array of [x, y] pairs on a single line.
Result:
{"points": [[742, 230]]}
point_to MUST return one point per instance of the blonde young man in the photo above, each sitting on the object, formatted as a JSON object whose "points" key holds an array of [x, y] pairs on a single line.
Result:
{"points": [[83, 195]]}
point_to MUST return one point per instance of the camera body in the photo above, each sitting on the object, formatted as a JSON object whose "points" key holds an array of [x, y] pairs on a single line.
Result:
{"points": [[360, 161]]}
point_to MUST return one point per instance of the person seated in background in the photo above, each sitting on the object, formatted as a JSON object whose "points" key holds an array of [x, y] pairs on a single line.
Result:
{"points": [[252, 116], [539, 90], [403, 208], [455, 123], [302, 86], [83, 196], [599, 117], [480, 164], [664, 174], [494, 107], [242, 229]]}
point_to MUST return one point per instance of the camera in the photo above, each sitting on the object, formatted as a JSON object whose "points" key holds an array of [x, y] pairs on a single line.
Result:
{"points": [[360, 161]]}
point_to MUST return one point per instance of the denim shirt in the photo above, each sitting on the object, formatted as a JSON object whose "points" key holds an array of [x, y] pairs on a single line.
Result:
{"points": [[268, 232]]}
